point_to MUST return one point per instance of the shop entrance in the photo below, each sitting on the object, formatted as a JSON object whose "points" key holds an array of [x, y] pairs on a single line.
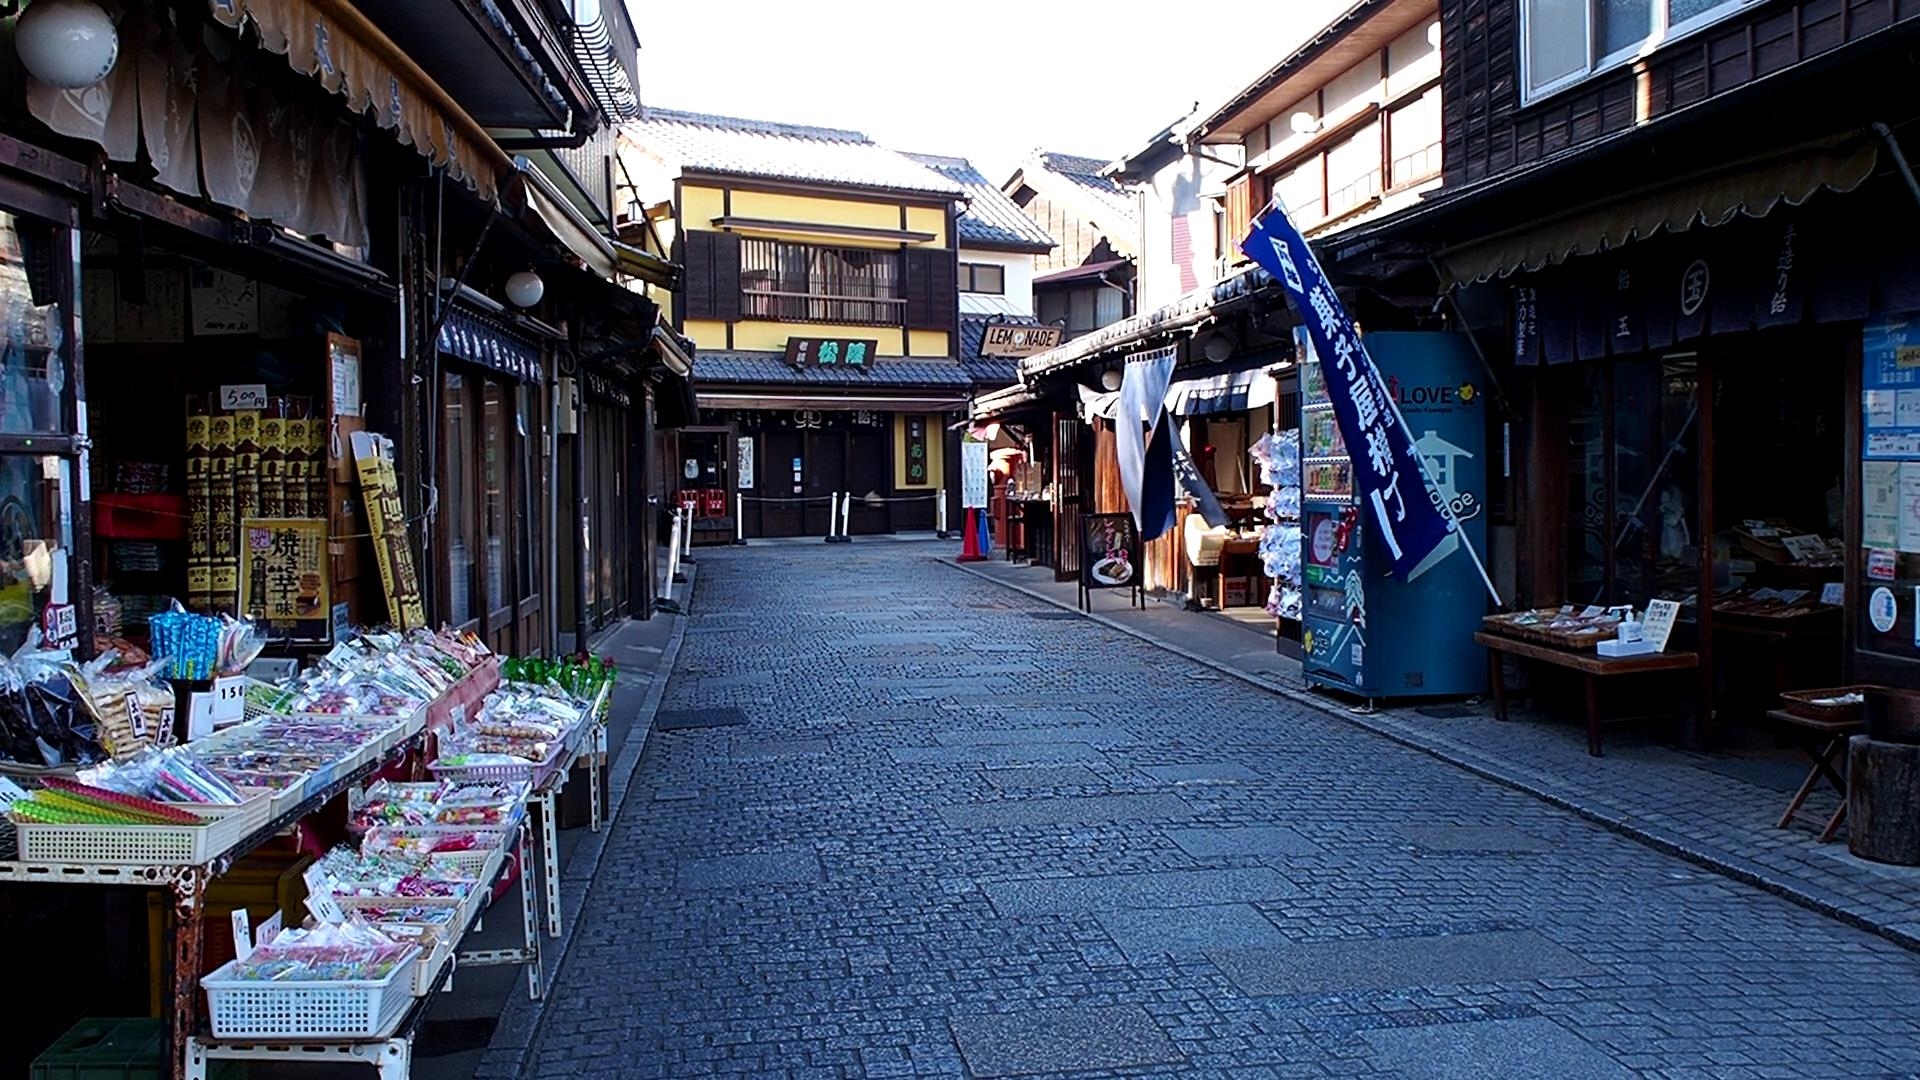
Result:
{"points": [[826, 476], [706, 479], [867, 462], [784, 485], [1717, 478]]}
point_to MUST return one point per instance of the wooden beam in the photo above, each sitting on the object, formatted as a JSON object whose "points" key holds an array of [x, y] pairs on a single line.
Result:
{"points": [[859, 232]]}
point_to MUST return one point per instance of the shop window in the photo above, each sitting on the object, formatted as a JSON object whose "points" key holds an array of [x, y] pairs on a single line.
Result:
{"points": [[1566, 41], [459, 499], [36, 496], [1300, 191]]}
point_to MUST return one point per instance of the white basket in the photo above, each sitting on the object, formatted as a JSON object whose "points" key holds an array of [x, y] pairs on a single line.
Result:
{"points": [[140, 845], [346, 1009], [427, 968]]}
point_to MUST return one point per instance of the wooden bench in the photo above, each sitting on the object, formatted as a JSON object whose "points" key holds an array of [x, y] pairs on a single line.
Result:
{"points": [[1591, 665]]}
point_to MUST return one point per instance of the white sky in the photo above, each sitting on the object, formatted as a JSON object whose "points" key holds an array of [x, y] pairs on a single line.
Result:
{"points": [[1004, 77]]}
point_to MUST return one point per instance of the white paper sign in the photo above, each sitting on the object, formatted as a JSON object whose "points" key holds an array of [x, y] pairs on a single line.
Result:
{"points": [[743, 461], [973, 475], [1834, 594], [320, 899], [1658, 625], [225, 704], [242, 934], [240, 396], [268, 930]]}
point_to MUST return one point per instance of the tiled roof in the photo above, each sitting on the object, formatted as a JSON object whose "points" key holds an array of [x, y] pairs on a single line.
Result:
{"points": [[991, 217], [988, 372], [710, 368], [1084, 173], [726, 144]]}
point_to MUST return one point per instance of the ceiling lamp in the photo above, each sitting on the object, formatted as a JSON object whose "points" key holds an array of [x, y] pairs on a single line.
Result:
{"points": [[1111, 379], [67, 43], [525, 289]]}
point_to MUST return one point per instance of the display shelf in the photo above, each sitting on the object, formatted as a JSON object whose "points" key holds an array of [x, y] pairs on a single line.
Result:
{"points": [[390, 1052]]}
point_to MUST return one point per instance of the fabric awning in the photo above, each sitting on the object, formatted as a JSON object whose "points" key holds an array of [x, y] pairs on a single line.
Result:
{"points": [[467, 336], [335, 44], [1227, 392], [566, 224], [1753, 189]]}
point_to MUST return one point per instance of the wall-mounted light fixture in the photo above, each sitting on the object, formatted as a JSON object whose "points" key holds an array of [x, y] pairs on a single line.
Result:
{"points": [[67, 43], [1111, 378], [524, 289]]}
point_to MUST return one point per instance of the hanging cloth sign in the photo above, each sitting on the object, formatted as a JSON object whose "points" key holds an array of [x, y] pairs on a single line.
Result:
{"points": [[1146, 453], [1388, 474]]}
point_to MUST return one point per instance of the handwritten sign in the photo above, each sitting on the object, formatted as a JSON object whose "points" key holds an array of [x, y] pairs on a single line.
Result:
{"points": [[243, 396], [223, 303], [973, 475], [242, 933], [1658, 625], [284, 576]]}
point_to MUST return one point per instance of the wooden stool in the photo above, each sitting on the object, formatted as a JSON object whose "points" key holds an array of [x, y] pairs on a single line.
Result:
{"points": [[1824, 741]]}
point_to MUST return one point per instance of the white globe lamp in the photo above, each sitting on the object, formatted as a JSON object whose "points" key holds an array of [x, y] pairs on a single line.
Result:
{"points": [[67, 43], [525, 289]]}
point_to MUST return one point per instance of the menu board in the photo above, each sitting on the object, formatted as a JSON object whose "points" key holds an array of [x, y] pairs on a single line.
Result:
{"points": [[1109, 551], [1890, 485]]}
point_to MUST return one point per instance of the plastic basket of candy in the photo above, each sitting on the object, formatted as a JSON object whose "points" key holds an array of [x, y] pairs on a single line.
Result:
{"points": [[343, 983]]}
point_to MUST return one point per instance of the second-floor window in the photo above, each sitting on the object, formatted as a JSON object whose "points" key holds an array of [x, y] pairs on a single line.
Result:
{"points": [[813, 283], [1564, 41], [983, 278], [1082, 309]]}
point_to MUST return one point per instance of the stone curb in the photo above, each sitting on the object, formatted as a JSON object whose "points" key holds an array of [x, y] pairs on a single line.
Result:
{"points": [[513, 1039], [1666, 844]]}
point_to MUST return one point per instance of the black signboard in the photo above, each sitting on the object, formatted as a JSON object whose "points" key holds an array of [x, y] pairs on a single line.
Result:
{"points": [[854, 354], [1110, 556]]}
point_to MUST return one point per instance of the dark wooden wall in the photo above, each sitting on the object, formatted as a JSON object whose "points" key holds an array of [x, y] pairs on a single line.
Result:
{"points": [[1488, 132]]}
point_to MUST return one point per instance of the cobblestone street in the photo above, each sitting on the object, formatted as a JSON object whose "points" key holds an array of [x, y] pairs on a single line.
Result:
{"points": [[894, 820]]}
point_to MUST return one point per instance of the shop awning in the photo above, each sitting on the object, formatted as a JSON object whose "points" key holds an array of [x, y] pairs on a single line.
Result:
{"points": [[675, 352], [471, 337], [1084, 272], [566, 223], [1753, 189], [1226, 392], [342, 50]]}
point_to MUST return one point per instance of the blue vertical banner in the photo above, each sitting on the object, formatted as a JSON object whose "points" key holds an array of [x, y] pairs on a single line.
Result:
{"points": [[1145, 440], [1387, 473]]}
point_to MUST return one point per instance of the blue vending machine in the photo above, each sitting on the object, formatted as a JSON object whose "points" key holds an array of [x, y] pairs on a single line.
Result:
{"points": [[1364, 631]]}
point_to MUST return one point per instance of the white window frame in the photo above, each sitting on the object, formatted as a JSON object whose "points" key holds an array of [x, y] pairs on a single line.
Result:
{"points": [[1662, 35]]}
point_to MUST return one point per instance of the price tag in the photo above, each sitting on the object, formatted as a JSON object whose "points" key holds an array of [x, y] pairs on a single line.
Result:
{"points": [[244, 396], [10, 792], [268, 930], [242, 934], [225, 704], [320, 899]]}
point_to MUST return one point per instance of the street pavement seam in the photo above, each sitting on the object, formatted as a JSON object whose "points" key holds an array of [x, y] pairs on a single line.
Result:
{"points": [[509, 1050], [1649, 837]]}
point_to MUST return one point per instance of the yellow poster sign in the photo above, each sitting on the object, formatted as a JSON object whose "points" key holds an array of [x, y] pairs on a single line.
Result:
{"points": [[283, 576], [387, 521]]}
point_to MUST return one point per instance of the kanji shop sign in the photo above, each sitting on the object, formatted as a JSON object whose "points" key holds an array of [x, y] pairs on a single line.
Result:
{"points": [[283, 576], [856, 354], [1015, 340]]}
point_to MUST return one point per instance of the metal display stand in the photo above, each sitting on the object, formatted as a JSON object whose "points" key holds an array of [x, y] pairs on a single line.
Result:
{"points": [[391, 1055]]}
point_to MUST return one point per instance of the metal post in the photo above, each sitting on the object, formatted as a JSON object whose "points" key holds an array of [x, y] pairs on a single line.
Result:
{"points": [[940, 515], [686, 534], [583, 522], [846, 516], [739, 518], [833, 518]]}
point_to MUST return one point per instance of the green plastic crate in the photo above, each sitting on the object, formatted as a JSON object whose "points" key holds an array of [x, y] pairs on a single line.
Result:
{"points": [[96, 1049]]}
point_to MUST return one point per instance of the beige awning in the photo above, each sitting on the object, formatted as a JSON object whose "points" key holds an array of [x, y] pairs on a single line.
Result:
{"points": [[1753, 189], [335, 44]]}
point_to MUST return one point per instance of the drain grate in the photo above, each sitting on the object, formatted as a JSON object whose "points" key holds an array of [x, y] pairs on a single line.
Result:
{"points": [[689, 719]]}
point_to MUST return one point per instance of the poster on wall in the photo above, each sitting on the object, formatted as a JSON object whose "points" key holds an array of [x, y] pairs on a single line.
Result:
{"points": [[284, 576], [973, 475], [387, 521], [1109, 551], [1890, 485], [743, 461]]}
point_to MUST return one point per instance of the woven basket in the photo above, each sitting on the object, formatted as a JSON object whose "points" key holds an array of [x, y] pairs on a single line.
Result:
{"points": [[1801, 703]]}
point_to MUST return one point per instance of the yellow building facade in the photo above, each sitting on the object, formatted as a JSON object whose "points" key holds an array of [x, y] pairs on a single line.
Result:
{"points": [[819, 287]]}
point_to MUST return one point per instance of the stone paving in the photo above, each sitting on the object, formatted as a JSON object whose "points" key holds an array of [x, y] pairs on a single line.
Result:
{"points": [[1718, 808], [956, 838]]}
